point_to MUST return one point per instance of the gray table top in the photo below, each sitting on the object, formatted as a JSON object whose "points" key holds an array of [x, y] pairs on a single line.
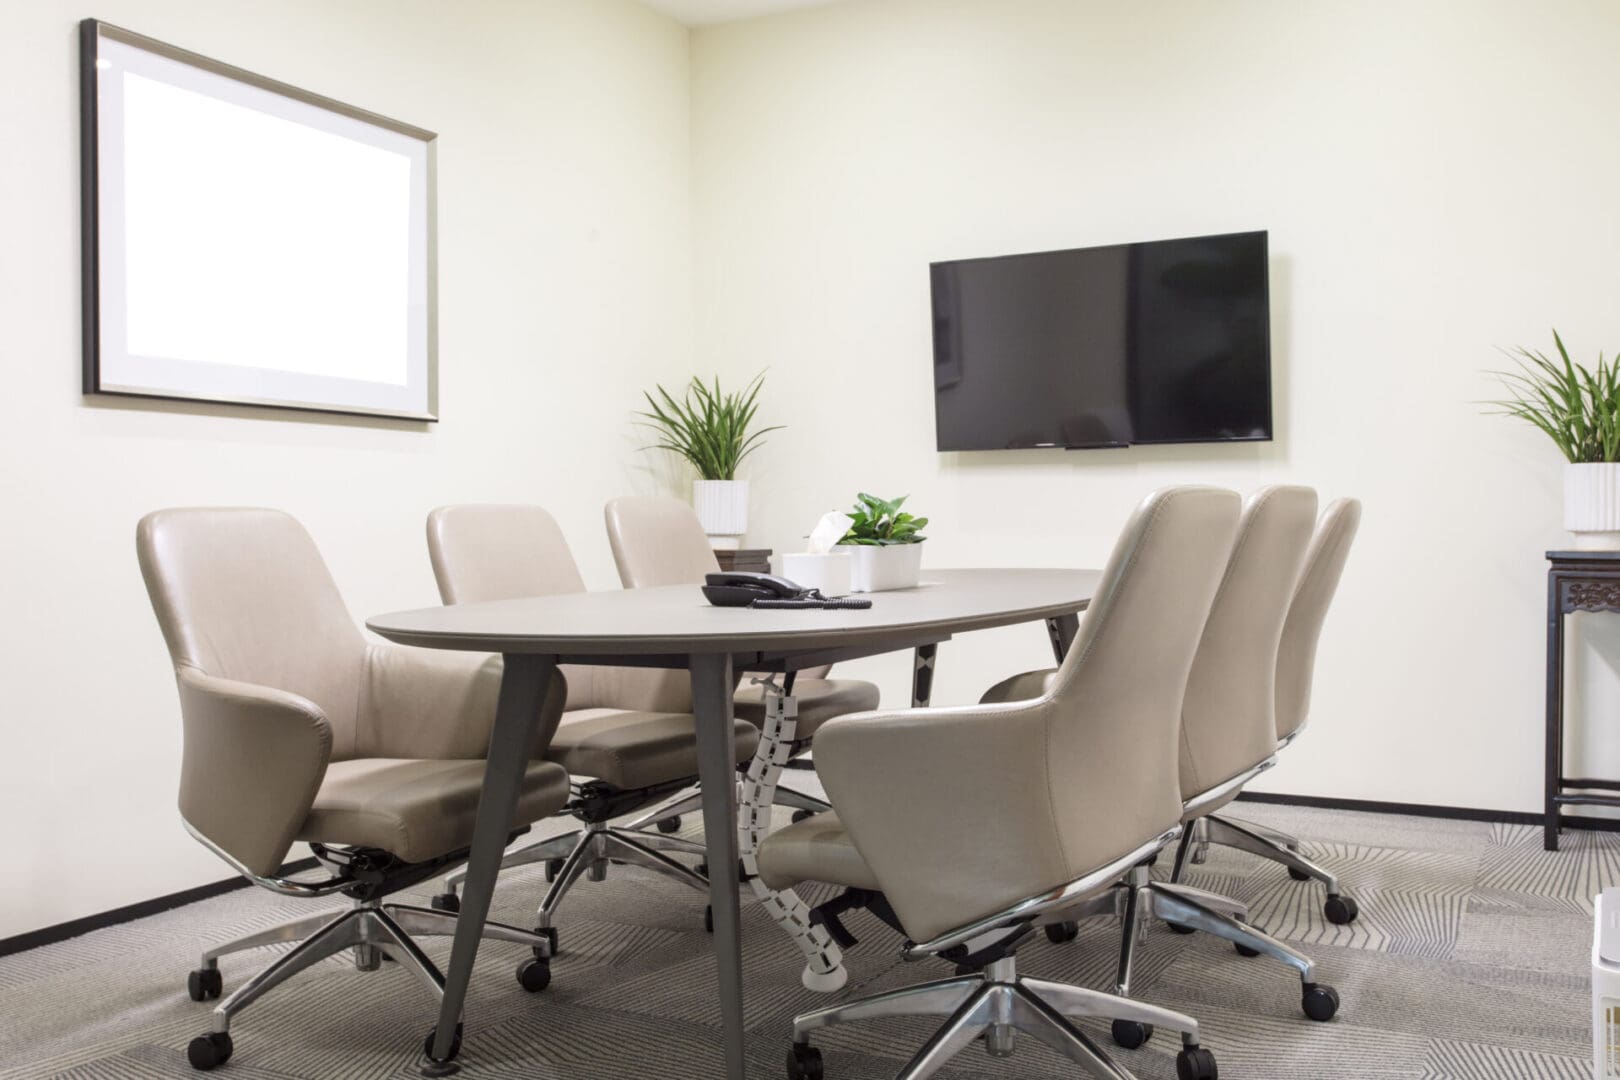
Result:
{"points": [[676, 619]]}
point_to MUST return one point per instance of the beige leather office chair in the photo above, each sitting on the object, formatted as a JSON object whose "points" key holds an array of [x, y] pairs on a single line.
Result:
{"points": [[977, 825], [1296, 665], [659, 541], [296, 728], [629, 730], [1228, 734]]}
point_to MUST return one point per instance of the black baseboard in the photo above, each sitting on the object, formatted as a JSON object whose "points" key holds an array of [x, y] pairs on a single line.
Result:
{"points": [[1456, 813], [50, 935]]}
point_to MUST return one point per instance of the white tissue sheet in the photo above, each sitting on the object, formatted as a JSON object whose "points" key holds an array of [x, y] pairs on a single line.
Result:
{"points": [[828, 531]]}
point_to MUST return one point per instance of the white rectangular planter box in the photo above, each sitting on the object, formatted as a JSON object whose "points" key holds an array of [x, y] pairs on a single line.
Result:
{"points": [[876, 569], [831, 573]]}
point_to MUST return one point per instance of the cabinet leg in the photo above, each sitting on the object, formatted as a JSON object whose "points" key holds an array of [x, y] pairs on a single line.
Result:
{"points": [[1555, 711]]}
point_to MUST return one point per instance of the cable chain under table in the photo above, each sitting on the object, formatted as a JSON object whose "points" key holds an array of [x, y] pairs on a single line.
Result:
{"points": [[824, 963]]}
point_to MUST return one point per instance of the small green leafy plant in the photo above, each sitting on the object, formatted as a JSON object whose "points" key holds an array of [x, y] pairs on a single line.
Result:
{"points": [[1578, 408], [881, 522], [707, 426]]}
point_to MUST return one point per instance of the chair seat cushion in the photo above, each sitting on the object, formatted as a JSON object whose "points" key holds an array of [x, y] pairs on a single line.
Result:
{"points": [[815, 849], [418, 809], [819, 701], [632, 750]]}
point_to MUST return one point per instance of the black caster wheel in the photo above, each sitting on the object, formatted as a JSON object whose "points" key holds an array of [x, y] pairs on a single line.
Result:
{"points": [[1177, 928], [708, 917], [1131, 1034], [1298, 875], [209, 1051], [534, 975], [800, 815], [1196, 1063], [670, 824], [702, 868], [427, 1051], [1244, 950], [550, 934], [1061, 933], [804, 1063], [204, 984], [1340, 910], [449, 902], [1320, 1002]]}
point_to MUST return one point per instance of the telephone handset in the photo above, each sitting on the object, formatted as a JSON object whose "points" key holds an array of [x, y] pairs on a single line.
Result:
{"points": [[743, 588]]}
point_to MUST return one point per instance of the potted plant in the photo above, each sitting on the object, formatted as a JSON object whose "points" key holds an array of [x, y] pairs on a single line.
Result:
{"points": [[886, 545], [1579, 409], [710, 428]]}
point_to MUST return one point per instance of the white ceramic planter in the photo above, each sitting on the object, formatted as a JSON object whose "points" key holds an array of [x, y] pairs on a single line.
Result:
{"points": [[722, 507], [1592, 505], [875, 569], [830, 573]]}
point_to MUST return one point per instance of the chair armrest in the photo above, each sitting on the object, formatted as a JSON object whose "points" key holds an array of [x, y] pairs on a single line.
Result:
{"points": [[254, 759], [437, 703], [1024, 687], [949, 807]]}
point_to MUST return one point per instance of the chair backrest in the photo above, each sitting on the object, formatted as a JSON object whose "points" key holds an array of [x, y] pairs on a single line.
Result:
{"points": [[658, 541], [1228, 721], [243, 594], [499, 552], [1296, 656], [504, 552], [1117, 698], [962, 812]]}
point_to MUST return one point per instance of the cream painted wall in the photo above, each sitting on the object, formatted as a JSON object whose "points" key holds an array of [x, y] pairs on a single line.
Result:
{"points": [[1438, 179], [564, 239]]}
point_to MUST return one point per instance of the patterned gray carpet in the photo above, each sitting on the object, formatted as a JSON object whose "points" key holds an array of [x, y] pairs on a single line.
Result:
{"points": [[1469, 962]]}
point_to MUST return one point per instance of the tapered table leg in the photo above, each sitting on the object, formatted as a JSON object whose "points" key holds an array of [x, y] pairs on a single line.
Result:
{"points": [[717, 772], [922, 675], [1061, 630], [523, 688]]}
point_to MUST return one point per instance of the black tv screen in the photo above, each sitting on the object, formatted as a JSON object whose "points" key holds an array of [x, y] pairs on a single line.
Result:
{"points": [[1160, 342]]}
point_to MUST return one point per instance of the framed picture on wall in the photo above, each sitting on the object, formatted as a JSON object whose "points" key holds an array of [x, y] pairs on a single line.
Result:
{"points": [[249, 242]]}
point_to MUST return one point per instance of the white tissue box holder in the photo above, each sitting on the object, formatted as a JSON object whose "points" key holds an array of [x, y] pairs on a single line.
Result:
{"points": [[830, 572]]}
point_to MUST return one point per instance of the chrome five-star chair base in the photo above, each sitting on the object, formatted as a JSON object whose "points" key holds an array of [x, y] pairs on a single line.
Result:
{"points": [[1186, 910], [1278, 847], [375, 930], [996, 1004], [667, 818], [991, 1000], [588, 852]]}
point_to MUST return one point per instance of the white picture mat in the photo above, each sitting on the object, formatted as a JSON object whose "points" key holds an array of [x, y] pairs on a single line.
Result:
{"points": [[255, 247]]}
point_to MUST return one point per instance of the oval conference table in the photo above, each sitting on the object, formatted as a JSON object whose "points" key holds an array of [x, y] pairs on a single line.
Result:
{"points": [[674, 627]]}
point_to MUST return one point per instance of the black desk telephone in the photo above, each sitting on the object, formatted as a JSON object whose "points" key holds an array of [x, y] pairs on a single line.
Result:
{"points": [[740, 588]]}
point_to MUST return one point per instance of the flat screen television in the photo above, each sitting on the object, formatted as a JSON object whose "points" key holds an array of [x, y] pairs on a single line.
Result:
{"points": [[1160, 342]]}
